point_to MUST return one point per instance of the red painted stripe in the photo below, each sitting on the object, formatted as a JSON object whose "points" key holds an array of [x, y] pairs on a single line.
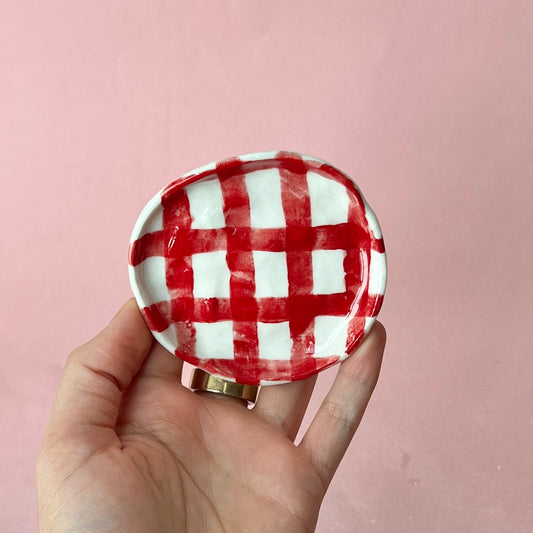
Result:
{"points": [[149, 245], [355, 333], [370, 304], [307, 307], [268, 310], [179, 272], [158, 316], [356, 266], [297, 209], [378, 246], [242, 272], [378, 303], [198, 241]]}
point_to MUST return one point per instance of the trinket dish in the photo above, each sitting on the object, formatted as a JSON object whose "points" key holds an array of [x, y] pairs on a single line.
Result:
{"points": [[261, 269]]}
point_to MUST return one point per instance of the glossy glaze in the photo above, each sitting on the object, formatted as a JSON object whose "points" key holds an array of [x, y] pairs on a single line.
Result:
{"points": [[261, 269]]}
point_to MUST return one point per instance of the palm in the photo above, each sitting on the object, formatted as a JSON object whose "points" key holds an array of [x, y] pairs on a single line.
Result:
{"points": [[223, 464], [190, 459], [167, 459]]}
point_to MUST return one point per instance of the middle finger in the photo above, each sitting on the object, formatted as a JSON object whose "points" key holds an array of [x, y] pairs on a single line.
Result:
{"points": [[284, 405]]}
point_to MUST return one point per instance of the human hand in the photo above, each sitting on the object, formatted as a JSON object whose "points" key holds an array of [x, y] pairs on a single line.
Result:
{"points": [[128, 448]]}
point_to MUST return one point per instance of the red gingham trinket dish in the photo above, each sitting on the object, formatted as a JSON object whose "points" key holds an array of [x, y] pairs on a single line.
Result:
{"points": [[260, 269]]}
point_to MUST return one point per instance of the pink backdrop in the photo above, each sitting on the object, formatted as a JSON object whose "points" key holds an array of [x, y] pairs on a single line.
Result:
{"points": [[427, 104]]}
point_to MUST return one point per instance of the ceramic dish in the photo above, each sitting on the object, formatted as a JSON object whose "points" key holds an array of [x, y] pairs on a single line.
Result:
{"points": [[261, 269]]}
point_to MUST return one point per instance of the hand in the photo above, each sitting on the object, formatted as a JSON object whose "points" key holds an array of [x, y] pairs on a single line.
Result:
{"points": [[128, 448]]}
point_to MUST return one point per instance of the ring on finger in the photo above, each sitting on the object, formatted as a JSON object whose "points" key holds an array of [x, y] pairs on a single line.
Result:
{"points": [[202, 381]]}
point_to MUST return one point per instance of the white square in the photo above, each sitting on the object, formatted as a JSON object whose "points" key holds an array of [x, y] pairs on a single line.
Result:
{"points": [[328, 271], [271, 278], [329, 200], [206, 204], [274, 340], [330, 336], [214, 340], [211, 275], [264, 192], [377, 275]]}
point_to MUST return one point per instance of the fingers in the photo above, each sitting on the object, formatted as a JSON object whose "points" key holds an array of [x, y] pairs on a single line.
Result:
{"points": [[284, 405], [163, 364], [90, 391], [338, 417]]}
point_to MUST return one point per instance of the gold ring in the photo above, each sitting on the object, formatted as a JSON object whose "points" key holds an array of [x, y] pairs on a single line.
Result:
{"points": [[202, 381]]}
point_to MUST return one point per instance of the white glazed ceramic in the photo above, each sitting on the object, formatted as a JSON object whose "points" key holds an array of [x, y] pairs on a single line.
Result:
{"points": [[261, 269]]}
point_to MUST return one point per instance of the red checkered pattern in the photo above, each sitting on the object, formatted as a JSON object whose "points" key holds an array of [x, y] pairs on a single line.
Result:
{"points": [[250, 270]]}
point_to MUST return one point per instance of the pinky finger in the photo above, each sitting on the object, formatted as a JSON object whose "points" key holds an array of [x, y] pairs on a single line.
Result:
{"points": [[337, 419]]}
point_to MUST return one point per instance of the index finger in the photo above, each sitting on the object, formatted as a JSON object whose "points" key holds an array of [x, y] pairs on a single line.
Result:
{"points": [[89, 394]]}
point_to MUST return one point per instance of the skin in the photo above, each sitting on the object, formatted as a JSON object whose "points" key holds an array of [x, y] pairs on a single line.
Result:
{"points": [[129, 449]]}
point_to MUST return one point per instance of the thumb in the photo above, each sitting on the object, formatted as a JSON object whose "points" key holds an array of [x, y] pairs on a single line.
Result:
{"points": [[95, 375]]}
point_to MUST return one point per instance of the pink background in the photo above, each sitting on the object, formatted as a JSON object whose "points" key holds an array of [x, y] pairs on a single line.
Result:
{"points": [[428, 105]]}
